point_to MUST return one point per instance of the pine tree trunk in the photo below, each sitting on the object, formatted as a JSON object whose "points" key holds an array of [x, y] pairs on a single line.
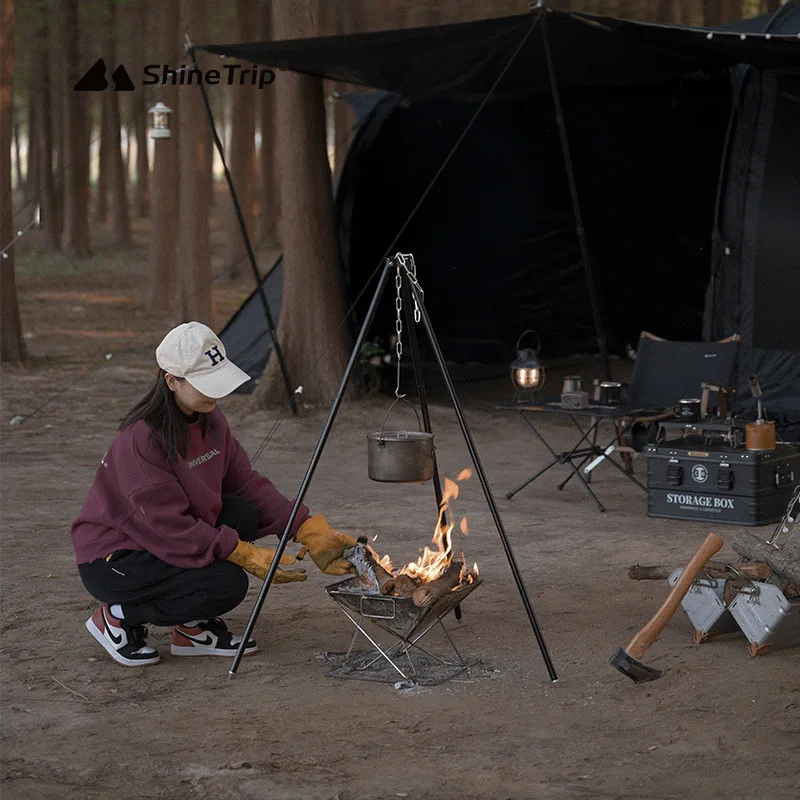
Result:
{"points": [[194, 158], [100, 214], [55, 68], [22, 183], [718, 12], [669, 12], [139, 113], [162, 292], [117, 171], [42, 133], [12, 345], [30, 184], [117, 176], [343, 117], [313, 339], [269, 202], [76, 141], [242, 156], [142, 193]]}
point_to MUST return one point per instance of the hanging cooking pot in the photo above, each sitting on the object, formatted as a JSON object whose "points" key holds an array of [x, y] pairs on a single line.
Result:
{"points": [[400, 456]]}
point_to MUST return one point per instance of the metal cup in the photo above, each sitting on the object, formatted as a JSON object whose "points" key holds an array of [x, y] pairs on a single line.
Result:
{"points": [[688, 410], [610, 393], [572, 383]]}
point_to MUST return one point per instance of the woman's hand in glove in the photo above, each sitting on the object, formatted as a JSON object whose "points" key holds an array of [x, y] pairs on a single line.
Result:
{"points": [[325, 545], [257, 560]]}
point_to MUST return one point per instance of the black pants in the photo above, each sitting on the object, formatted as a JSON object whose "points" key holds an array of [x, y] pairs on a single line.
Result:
{"points": [[150, 590]]}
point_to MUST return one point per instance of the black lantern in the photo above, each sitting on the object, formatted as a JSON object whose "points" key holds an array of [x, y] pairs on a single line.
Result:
{"points": [[527, 371]]}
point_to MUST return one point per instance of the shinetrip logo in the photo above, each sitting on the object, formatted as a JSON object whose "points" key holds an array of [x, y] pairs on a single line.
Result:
{"points": [[95, 79]]}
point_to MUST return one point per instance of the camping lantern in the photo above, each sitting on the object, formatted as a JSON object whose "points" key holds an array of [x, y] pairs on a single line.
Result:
{"points": [[527, 371], [159, 127]]}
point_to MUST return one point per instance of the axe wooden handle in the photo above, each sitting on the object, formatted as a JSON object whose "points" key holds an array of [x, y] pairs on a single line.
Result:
{"points": [[647, 635]]}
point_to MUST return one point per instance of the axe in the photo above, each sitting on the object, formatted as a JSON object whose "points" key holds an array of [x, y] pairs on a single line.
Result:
{"points": [[628, 661]]}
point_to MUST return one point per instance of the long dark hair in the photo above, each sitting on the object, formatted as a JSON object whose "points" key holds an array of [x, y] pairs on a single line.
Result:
{"points": [[169, 428]]}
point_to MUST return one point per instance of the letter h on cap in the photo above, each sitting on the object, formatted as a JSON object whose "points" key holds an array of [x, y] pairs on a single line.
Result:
{"points": [[215, 355]]}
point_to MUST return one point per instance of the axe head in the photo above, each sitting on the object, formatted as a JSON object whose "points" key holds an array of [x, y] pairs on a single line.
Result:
{"points": [[635, 670]]}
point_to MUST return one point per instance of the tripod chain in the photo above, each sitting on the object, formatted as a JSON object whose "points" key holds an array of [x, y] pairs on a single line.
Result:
{"points": [[405, 264]]}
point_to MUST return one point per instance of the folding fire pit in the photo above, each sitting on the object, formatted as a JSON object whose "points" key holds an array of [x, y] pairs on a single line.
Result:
{"points": [[407, 623]]}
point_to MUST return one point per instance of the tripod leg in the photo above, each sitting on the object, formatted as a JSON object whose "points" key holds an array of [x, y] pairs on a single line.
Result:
{"points": [[423, 402], [287, 533], [512, 561]]}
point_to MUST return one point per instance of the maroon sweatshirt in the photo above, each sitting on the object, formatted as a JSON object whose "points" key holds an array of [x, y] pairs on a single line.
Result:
{"points": [[139, 501]]}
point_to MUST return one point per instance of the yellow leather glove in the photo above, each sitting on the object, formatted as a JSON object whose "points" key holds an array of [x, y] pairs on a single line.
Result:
{"points": [[325, 545], [256, 561]]}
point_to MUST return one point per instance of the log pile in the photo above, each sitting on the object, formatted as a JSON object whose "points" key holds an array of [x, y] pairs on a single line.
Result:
{"points": [[763, 560], [713, 569], [784, 561], [783, 556]]}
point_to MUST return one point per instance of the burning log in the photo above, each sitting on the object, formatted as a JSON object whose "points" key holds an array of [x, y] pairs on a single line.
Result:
{"points": [[400, 586], [372, 575], [439, 587]]}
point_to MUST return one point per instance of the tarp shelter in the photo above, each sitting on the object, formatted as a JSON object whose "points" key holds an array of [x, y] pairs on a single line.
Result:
{"points": [[683, 144]]}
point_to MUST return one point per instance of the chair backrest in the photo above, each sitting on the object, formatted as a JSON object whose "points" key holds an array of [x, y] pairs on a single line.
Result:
{"points": [[667, 371]]}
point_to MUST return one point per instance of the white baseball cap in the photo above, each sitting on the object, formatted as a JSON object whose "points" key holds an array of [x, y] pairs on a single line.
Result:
{"points": [[194, 352]]}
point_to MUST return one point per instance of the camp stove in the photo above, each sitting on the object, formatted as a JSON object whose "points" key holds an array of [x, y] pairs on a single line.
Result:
{"points": [[404, 663]]}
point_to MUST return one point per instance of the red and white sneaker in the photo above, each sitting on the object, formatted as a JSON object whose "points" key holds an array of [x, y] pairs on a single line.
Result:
{"points": [[208, 637], [125, 643]]}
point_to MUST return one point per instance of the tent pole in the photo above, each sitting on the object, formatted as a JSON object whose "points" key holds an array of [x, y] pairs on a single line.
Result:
{"points": [[287, 533], [573, 191], [248, 246]]}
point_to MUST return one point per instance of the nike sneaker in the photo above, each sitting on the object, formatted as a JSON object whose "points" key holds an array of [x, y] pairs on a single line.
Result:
{"points": [[208, 637], [125, 643]]}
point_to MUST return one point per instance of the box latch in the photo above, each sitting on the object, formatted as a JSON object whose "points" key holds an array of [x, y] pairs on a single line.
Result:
{"points": [[725, 477], [674, 474], [784, 474]]}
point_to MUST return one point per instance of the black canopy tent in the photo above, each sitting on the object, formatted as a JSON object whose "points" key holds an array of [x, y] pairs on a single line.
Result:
{"points": [[647, 111]]}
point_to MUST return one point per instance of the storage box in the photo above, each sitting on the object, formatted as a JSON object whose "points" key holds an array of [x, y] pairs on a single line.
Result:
{"points": [[720, 484]]}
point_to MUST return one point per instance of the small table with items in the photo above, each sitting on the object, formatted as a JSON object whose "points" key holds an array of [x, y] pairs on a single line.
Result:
{"points": [[585, 453]]}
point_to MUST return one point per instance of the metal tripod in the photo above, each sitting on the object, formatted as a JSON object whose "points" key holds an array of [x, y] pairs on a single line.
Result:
{"points": [[408, 278]]}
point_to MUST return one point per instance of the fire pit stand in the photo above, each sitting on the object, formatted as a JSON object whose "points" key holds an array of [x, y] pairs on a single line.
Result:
{"points": [[402, 264], [407, 624]]}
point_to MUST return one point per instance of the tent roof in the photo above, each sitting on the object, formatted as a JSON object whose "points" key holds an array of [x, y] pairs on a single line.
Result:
{"points": [[587, 50]]}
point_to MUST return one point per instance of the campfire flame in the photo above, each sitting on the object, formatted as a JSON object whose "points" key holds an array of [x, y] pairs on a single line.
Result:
{"points": [[433, 562]]}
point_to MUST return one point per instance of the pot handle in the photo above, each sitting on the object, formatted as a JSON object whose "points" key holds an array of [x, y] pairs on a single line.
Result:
{"points": [[413, 407]]}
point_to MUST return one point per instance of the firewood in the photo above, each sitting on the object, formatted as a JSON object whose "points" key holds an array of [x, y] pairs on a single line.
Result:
{"points": [[445, 583], [714, 569], [784, 562], [400, 586], [371, 574]]}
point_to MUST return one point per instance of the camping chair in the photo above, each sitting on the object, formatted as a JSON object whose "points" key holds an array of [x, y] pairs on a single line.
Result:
{"points": [[665, 372]]}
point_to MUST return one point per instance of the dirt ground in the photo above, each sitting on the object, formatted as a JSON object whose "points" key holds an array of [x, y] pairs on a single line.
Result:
{"points": [[718, 724]]}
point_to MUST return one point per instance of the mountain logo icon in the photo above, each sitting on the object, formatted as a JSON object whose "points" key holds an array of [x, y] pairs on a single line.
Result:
{"points": [[95, 79]]}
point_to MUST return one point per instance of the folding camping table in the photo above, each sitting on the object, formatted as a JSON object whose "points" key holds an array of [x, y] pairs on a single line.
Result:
{"points": [[585, 447]]}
